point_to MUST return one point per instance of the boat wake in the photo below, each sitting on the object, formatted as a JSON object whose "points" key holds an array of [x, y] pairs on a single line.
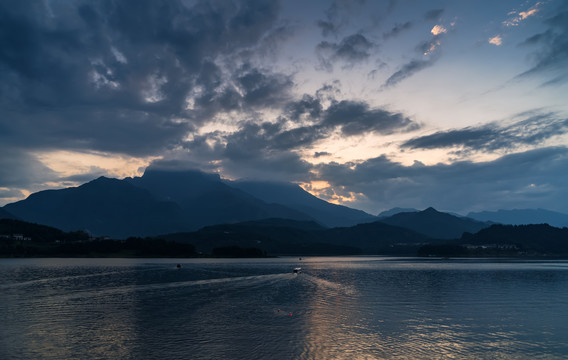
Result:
{"points": [[245, 281]]}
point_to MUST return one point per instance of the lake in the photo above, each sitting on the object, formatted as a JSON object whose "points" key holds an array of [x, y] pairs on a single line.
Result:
{"points": [[338, 308]]}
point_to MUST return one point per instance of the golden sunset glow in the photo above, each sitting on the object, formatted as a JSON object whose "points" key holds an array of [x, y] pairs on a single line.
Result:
{"points": [[69, 163], [337, 195]]}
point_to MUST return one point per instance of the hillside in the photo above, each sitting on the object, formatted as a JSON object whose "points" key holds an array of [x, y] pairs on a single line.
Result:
{"points": [[273, 236], [102, 207], [541, 238], [37, 233], [377, 238], [394, 211], [4, 214], [522, 217], [286, 237], [506, 241], [435, 224], [294, 197], [206, 200]]}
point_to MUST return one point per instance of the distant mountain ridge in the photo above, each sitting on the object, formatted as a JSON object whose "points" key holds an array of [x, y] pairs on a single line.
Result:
{"points": [[4, 214], [290, 237], [396, 210], [522, 217], [534, 240], [294, 197], [435, 224]]}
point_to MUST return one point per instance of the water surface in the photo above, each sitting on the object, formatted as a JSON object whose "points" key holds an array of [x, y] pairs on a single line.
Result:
{"points": [[338, 308]]}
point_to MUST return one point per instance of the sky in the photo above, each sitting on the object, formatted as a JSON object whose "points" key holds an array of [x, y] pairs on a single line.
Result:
{"points": [[460, 105]]}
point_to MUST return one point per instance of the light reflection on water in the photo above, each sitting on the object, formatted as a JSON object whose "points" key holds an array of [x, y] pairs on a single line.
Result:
{"points": [[339, 308]]}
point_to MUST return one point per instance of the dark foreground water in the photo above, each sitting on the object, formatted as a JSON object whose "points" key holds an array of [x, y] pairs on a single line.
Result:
{"points": [[339, 308]]}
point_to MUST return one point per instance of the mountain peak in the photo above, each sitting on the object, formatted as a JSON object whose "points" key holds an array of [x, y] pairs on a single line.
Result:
{"points": [[396, 210], [102, 179], [435, 224]]}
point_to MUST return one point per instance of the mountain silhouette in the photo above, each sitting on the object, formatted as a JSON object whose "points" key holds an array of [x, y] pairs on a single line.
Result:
{"points": [[435, 224], [294, 197], [4, 214], [158, 202], [206, 200], [166, 201], [374, 238], [394, 211], [275, 236], [103, 207], [290, 237], [522, 217], [537, 238]]}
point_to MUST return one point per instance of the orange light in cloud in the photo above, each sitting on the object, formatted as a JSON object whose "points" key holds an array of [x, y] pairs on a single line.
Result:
{"points": [[323, 190], [433, 46], [438, 29], [496, 40], [69, 163], [525, 14], [522, 15]]}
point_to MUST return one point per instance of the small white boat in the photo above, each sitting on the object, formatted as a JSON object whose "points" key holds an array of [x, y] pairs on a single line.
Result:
{"points": [[297, 270]]}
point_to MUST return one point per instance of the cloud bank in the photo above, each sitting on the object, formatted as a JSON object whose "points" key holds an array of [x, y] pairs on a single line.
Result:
{"points": [[316, 94]]}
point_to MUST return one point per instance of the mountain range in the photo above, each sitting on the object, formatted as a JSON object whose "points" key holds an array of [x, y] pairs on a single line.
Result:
{"points": [[163, 201], [169, 202]]}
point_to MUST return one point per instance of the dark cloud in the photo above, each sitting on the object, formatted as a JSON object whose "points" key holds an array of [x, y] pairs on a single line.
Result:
{"points": [[433, 15], [552, 55], [351, 50], [19, 170], [428, 52], [321, 153], [9, 194], [129, 131], [348, 116], [397, 30], [327, 27], [134, 77], [531, 179], [263, 89], [409, 69], [337, 16], [181, 164], [307, 105], [264, 151], [304, 123], [268, 137], [114, 76], [490, 137], [354, 118], [94, 172]]}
